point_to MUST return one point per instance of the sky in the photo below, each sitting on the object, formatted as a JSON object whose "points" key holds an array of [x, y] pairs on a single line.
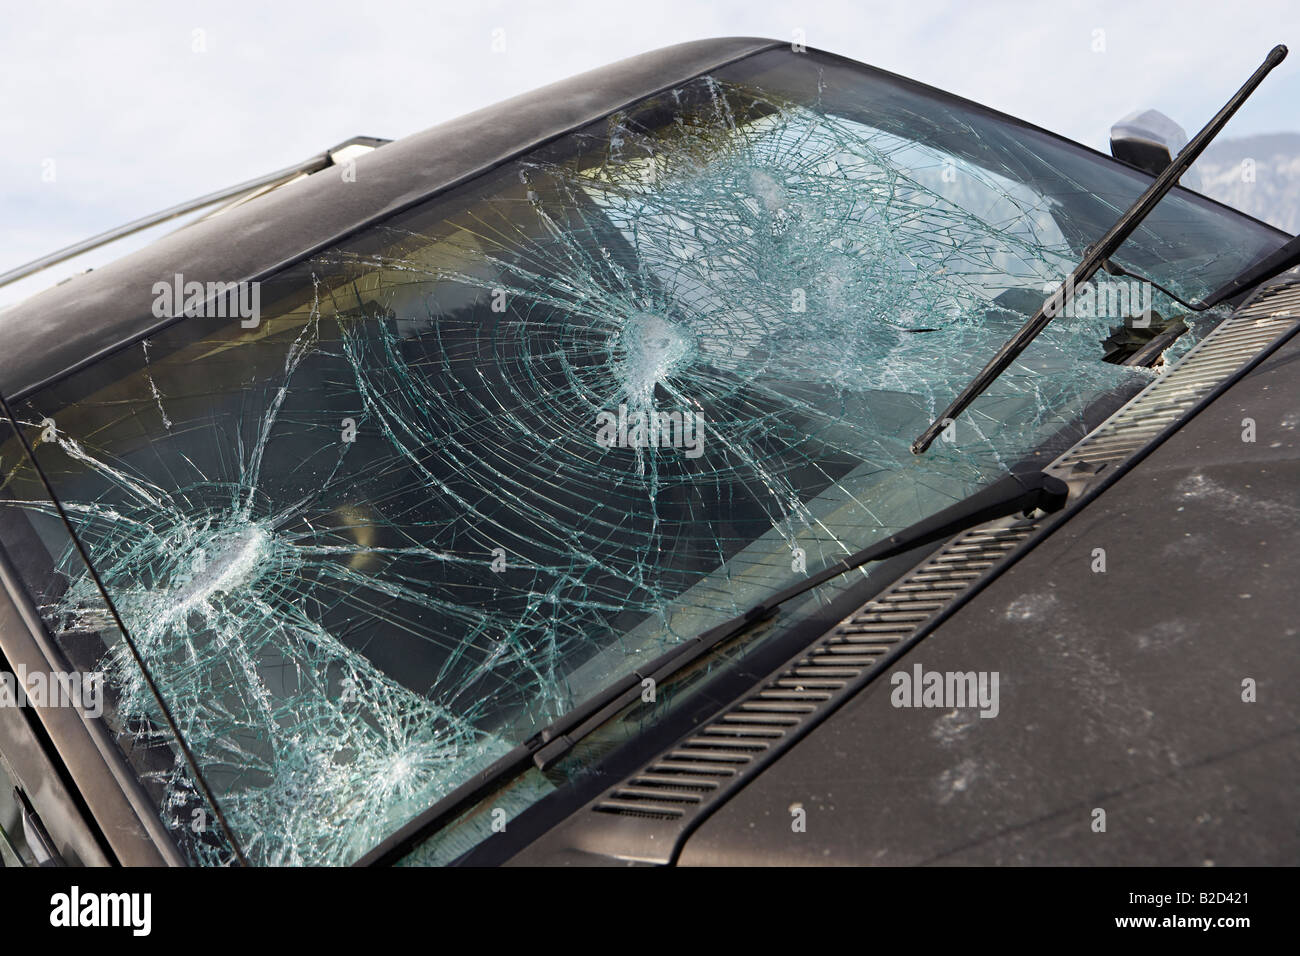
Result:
{"points": [[110, 111]]}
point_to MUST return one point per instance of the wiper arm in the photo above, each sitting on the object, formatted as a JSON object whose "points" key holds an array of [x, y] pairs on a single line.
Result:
{"points": [[1015, 494], [1095, 256]]}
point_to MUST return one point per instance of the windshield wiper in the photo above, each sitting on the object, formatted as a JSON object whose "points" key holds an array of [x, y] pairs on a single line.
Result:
{"points": [[1017, 493], [1095, 256]]}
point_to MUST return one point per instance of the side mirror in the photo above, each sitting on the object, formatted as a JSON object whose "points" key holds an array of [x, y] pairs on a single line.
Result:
{"points": [[1147, 139]]}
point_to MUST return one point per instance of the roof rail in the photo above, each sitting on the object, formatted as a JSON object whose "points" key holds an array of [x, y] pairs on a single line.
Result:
{"points": [[279, 177]]}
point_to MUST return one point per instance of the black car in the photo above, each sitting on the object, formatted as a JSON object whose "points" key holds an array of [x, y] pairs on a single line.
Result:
{"points": [[543, 488]]}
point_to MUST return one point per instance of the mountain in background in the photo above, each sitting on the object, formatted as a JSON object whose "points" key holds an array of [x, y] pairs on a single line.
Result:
{"points": [[1274, 193]]}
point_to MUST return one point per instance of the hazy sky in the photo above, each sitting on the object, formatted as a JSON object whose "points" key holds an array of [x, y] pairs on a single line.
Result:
{"points": [[137, 111]]}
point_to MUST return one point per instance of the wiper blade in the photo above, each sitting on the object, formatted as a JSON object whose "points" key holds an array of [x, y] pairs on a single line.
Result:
{"points": [[1017, 493], [1095, 256]]}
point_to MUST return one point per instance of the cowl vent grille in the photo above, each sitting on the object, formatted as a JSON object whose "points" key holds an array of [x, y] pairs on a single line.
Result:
{"points": [[1164, 403], [705, 767]]}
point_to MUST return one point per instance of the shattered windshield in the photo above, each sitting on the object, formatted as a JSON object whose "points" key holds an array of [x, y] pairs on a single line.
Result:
{"points": [[426, 490]]}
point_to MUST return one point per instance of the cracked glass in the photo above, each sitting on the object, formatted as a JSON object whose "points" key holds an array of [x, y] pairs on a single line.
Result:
{"points": [[480, 460]]}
